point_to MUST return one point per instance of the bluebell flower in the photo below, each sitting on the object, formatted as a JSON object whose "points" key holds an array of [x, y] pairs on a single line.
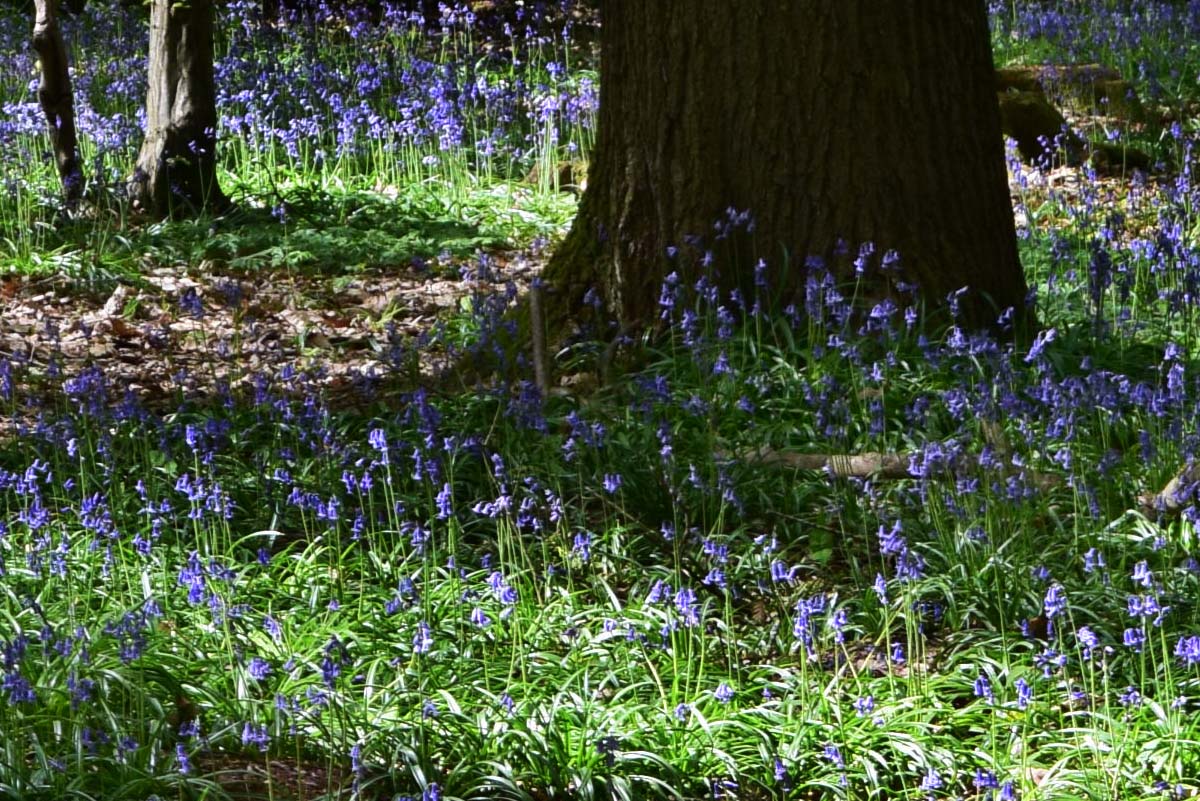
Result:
{"points": [[780, 572], [1147, 606], [444, 504], [1039, 344], [582, 545], [891, 541], [983, 689], [1188, 650], [658, 591], [725, 322], [1176, 391], [910, 566], [259, 669], [19, 690], [125, 746], [986, 780], [272, 627], [838, 624], [687, 606], [79, 689], [1088, 640], [501, 589], [378, 440], [931, 781], [423, 639], [782, 778], [256, 735], [880, 587], [718, 551], [356, 765], [1055, 602], [1049, 660]]}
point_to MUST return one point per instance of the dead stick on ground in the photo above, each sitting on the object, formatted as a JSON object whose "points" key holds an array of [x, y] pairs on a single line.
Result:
{"points": [[891, 466], [1172, 498], [1169, 501]]}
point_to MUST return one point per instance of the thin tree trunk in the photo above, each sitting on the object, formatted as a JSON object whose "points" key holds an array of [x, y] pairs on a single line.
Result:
{"points": [[852, 121], [56, 97], [176, 168]]}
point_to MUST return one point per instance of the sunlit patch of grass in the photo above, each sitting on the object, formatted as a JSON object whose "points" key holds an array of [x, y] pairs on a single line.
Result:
{"points": [[375, 138], [306, 231]]}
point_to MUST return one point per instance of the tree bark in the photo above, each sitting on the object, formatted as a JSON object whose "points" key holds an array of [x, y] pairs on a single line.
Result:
{"points": [[849, 122], [57, 98], [176, 168]]}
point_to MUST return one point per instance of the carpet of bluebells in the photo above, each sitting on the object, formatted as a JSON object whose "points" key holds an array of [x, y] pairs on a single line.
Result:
{"points": [[495, 595], [329, 96]]}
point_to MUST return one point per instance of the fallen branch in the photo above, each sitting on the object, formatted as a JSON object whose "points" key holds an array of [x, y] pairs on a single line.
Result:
{"points": [[889, 466], [1178, 493], [1181, 491]]}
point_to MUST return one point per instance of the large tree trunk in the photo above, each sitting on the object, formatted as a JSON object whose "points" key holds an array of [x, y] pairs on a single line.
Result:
{"points": [[854, 120], [176, 168], [56, 97]]}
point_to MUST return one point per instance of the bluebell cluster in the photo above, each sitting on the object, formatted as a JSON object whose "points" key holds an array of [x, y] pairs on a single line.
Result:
{"points": [[617, 594], [326, 88]]}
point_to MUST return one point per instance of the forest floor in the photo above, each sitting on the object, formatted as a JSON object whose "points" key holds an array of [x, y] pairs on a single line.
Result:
{"points": [[218, 327], [224, 328]]}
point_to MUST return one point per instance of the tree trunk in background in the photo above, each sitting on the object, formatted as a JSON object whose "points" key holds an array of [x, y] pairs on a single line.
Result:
{"points": [[176, 168], [855, 121], [56, 97]]}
